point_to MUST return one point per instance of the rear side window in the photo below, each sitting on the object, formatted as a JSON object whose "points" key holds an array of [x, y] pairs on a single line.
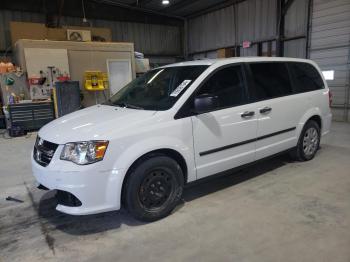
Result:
{"points": [[306, 78], [270, 80], [228, 85]]}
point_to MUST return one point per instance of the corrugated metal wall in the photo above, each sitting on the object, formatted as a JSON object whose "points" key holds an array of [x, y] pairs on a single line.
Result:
{"points": [[148, 38], [330, 48], [211, 31], [295, 48], [296, 19], [256, 20], [296, 25]]}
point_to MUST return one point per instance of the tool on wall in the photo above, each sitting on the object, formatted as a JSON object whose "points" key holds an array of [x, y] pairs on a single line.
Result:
{"points": [[41, 85]]}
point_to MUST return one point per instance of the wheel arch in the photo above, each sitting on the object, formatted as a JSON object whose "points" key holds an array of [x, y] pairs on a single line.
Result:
{"points": [[178, 157], [297, 153], [317, 119], [312, 114]]}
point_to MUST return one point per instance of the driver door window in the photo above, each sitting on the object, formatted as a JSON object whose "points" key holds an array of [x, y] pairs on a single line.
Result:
{"points": [[228, 85]]}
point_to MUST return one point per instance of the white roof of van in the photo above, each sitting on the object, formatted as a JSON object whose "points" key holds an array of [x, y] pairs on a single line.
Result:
{"points": [[224, 61]]}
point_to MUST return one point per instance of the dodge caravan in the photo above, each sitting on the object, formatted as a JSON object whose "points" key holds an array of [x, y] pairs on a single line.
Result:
{"points": [[177, 124]]}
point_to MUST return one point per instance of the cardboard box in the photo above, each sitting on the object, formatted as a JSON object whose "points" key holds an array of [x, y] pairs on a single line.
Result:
{"points": [[225, 52], [56, 34], [37, 31], [22, 30]]}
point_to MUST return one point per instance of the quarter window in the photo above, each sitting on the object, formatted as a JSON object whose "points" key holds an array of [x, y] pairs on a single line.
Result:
{"points": [[270, 80], [306, 77], [228, 85]]}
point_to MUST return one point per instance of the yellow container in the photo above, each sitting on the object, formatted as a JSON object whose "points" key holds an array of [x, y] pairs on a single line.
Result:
{"points": [[95, 81]]}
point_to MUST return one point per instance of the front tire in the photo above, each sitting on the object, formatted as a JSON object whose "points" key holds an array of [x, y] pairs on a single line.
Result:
{"points": [[154, 188], [309, 142]]}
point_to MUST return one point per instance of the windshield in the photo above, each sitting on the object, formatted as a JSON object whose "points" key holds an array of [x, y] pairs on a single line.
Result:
{"points": [[158, 89]]}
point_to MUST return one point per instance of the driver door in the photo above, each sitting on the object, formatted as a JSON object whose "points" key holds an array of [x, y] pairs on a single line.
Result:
{"points": [[224, 138]]}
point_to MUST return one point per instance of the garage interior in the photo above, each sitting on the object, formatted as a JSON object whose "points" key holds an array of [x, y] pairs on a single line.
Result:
{"points": [[277, 210]]}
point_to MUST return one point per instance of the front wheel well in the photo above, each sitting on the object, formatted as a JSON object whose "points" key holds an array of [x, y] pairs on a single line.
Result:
{"points": [[159, 152]]}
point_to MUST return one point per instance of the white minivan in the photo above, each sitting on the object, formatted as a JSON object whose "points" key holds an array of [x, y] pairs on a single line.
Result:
{"points": [[177, 124]]}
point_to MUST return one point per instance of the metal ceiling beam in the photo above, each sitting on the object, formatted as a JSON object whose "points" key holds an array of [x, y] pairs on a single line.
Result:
{"points": [[144, 10], [213, 8], [141, 2], [179, 5]]}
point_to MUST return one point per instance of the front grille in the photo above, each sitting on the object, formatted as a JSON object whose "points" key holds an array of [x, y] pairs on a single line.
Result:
{"points": [[43, 151]]}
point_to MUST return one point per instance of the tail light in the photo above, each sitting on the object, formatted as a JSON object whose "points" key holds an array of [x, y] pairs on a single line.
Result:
{"points": [[330, 98]]}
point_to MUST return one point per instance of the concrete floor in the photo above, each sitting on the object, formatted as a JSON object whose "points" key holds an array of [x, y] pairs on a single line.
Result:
{"points": [[273, 211]]}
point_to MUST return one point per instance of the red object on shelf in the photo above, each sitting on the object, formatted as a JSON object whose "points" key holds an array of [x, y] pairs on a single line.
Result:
{"points": [[34, 80], [63, 78]]}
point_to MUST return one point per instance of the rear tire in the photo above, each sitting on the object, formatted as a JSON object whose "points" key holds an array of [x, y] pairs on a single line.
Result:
{"points": [[308, 143], [154, 188]]}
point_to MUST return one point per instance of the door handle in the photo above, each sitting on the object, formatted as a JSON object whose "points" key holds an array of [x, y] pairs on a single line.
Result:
{"points": [[265, 110], [247, 114]]}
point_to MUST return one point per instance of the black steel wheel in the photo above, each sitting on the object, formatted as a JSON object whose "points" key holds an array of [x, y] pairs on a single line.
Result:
{"points": [[156, 189], [153, 188]]}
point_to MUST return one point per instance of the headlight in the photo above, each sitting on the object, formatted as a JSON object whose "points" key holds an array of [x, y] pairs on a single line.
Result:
{"points": [[83, 153]]}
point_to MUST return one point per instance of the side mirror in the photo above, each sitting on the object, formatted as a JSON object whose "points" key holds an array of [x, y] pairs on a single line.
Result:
{"points": [[205, 103]]}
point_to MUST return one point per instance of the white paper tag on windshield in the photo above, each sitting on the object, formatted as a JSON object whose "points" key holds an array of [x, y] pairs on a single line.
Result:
{"points": [[181, 87]]}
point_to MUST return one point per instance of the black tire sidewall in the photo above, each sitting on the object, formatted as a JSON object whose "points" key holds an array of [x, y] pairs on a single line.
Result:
{"points": [[135, 179], [300, 151]]}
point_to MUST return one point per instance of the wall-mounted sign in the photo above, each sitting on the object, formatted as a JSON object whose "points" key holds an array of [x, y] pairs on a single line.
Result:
{"points": [[246, 44]]}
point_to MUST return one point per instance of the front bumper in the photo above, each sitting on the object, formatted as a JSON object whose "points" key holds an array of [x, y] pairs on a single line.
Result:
{"points": [[98, 189]]}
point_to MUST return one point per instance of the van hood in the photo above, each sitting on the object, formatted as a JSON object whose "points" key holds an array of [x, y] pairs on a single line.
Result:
{"points": [[93, 123]]}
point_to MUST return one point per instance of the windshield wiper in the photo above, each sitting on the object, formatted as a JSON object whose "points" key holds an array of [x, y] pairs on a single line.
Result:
{"points": [[126, 105]]}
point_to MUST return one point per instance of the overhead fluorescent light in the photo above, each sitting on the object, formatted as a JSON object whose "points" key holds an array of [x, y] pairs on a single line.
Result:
{"points": [[165, 2], [328, 75]]}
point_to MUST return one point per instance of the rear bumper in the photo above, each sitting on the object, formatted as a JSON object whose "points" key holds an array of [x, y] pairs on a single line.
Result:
{"points": [[326, 124], [98, 190]]}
